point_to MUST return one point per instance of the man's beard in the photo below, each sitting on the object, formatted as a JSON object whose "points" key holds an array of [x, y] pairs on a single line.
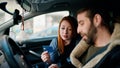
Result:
{"points": [[91, 35]]}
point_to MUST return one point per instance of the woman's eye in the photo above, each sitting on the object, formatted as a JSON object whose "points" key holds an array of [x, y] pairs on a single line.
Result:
{"points": [[62, 28], [70, 29]]}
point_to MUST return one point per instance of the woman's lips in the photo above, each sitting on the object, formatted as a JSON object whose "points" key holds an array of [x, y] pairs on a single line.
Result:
{"points": [[65, 36]]}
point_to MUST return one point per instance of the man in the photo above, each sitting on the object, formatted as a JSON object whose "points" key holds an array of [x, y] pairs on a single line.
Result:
{"points": [[101, 48]]}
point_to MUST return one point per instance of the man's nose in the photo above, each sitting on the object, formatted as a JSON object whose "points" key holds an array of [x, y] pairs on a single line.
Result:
{"points": [[78, 30]]}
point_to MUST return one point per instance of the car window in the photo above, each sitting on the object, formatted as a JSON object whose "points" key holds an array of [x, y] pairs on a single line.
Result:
{"points": [[45, 25]]}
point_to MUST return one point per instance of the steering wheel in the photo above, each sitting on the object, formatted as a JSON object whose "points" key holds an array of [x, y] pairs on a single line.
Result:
{"points": [[13, 54]]}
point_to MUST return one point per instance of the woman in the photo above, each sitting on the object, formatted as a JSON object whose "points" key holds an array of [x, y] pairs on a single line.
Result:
{"points": [[63, 45]]}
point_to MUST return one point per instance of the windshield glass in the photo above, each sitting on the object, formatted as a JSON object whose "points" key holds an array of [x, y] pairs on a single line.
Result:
{"points": [[11, 6], [41, 26]]}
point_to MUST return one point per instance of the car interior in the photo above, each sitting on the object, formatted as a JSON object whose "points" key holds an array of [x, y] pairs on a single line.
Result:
{"points": [[18, 25]]}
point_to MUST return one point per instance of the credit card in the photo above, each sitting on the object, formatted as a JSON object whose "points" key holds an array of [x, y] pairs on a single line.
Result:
{"points": [[48, 48]]}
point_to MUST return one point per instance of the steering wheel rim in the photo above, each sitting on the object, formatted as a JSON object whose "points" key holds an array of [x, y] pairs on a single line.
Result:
{"points": [[13, 53]]}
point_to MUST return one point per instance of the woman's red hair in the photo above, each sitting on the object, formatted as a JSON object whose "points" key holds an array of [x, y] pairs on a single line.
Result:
{"points": [[73, 22]]}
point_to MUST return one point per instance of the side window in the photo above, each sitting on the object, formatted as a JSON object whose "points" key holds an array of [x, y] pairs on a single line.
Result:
{"points": [[38, 27]]}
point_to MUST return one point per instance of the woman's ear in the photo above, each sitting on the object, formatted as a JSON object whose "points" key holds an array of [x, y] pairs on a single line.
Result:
{"points": [[97, 20]]}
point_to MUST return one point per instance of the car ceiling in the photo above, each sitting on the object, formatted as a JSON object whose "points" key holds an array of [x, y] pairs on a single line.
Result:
{"points": [[51, 5], [55, 5]]}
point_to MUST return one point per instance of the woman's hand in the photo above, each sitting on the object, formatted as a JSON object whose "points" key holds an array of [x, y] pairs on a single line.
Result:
{"points": [[53, 66], [45, 57]]}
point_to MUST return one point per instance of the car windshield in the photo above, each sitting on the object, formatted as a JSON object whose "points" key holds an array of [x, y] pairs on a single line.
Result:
{"points": [[41, 26], [11, 6]]}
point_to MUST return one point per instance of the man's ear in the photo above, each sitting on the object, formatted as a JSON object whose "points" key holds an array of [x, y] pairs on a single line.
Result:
{"points": [[97, 20]]}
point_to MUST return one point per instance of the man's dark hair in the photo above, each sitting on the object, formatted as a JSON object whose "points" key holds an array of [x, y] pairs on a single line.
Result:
{"points": [[105, 14]]}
